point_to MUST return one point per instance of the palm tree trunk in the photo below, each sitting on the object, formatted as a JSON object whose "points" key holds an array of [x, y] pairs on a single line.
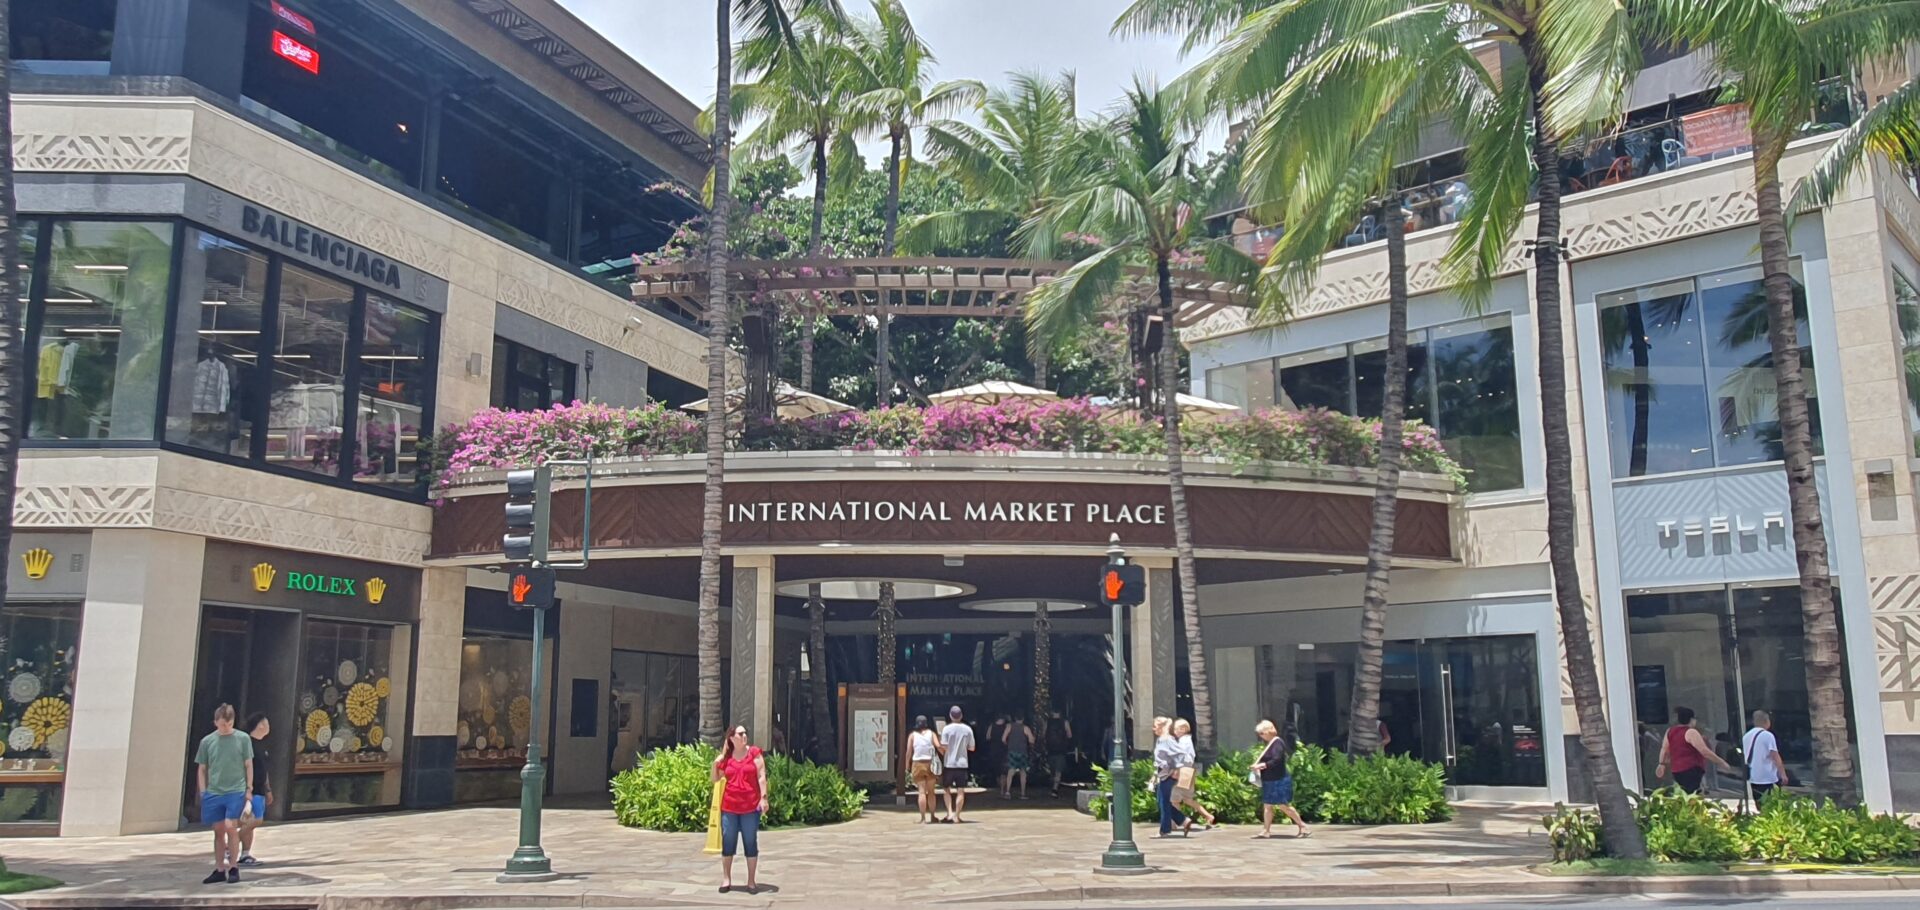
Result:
{"points": [[828, 745], [1182, 523], [1642, 390], [1623, 836], [1363, 725], [882, 333], [12, 313], [717, 330], [1826, 694], [813, 251], [885, 644], [1042, 363], [1042, 665]]}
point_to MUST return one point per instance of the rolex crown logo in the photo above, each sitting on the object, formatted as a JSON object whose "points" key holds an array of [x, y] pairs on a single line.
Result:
{"points": [[376, 589], [263, 576], [38, 560]]}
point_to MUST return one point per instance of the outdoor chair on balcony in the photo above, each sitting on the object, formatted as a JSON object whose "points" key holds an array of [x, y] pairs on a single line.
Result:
{"points": [[1675, 153], [1367, 232], [1454, 203]]}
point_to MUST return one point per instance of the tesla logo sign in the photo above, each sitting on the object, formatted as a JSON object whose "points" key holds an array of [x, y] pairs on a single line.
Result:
{"points": [[294, 19], [294, 52]]}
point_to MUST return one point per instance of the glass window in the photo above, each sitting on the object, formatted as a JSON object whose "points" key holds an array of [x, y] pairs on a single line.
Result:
{"points": [[1317, 379], [396, 375], [1906, 301], [304, 422], [481, 168], [1369, 377], [495, 712], [360, 105], [68, 32], [1228, 385], [1476, 401], [1745, 413], [1689, 374], [102, 329], [656, 704], [526, 379], [38, 649], [1651, 344], [346, 757], [29, 254], [216, 382]]}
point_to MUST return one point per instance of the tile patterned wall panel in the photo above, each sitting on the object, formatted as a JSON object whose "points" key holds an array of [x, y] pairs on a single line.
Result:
{"points": [[1896, 628], [70, 505], [118, 153]]}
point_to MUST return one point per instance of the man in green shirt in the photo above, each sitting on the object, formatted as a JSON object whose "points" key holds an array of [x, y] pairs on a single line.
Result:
{"points": [[226, 790]]}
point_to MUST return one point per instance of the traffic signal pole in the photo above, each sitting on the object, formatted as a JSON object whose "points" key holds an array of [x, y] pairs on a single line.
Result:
{"points": [[1120, 588], [529, 496]]}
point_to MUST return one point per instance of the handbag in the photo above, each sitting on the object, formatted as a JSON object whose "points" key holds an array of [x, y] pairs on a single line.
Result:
{"points": [[1253, 777], [1183, 784], [939, 767]]}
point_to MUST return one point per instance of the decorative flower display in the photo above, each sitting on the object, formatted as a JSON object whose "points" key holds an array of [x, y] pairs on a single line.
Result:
{"points": [[319, 726], [495, 439], [383, 687], [376, 736], [363, 705], [466, 734], [57, 742], [349, 673], [354, 744], [46, 717], [520, 715], [23, 688], [22, 739], [329, 696], [307, 702]]}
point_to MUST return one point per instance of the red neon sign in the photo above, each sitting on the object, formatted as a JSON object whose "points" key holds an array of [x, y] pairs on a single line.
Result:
{"points": [[296, 53], [294, 19]]}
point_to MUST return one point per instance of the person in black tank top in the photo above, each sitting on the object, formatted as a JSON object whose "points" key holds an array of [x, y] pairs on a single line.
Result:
{"points": [[1059, 743], [259, 728]]}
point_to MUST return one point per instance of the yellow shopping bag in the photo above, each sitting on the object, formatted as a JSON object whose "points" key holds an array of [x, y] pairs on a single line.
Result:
{"points": [[713, 818]]}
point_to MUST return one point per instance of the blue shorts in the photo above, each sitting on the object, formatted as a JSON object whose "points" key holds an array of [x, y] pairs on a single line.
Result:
{"points": [[260, 808], [1277, 792], [219, 807]]}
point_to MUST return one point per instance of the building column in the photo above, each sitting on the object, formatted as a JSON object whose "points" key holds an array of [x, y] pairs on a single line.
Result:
{"points": [[436, 688], [1150, 660], [584, 653], [753, 645], [133, 684]]}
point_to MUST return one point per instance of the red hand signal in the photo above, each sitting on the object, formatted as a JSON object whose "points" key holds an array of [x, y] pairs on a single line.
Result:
{"points": [[521, 588], [1114, 586]]}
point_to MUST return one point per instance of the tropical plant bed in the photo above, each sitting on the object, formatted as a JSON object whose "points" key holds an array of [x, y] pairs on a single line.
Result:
{"points": [[1788, 834], [495, 440], [1607, 867], [672, 790], [1328, 787], [20, 882]]}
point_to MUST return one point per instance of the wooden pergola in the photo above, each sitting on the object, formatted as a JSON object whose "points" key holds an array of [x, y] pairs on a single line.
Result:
{"points": [[933, 286]]}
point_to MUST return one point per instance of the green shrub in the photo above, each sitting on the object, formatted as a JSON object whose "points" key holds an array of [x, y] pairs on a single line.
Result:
{"points": [[1328, 787], [1683, 827], [1791, 829], [672, 790], [1574, 834]]}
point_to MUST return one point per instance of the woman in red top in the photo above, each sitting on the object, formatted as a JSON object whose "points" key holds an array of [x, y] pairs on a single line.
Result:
{"points": [[1687, 753], [744, 769]]}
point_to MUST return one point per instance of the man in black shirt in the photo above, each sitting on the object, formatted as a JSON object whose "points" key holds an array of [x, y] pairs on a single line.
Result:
{"points": [[259, 728]]}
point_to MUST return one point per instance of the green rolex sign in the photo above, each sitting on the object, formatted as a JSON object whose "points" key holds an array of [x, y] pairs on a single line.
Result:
{"points": [[320, 584]]}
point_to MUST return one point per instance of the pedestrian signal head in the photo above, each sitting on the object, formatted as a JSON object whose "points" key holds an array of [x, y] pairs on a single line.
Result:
{"points": [[1123, 585]]}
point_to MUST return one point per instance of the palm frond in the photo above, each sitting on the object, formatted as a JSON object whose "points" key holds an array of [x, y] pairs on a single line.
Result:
{"points": [[1593, 54], [1500, 170], [1891, 128], [1060, 308], [954, 229]]}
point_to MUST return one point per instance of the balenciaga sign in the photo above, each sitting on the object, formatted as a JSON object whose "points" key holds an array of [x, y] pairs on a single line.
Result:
{"points": [[318, 248]]}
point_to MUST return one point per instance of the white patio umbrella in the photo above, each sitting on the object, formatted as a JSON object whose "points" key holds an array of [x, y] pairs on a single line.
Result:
{"points": [[992, 391], [788, 402], [1195, 406]]}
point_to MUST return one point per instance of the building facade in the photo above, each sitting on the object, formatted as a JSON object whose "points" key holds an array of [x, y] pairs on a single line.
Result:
{"points": [[271, 248], [1686, 555]]}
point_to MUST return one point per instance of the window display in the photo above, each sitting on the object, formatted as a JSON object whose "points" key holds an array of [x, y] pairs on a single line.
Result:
{"points": [[657, 700], [39, 644], [100, 331], [345, 741], [496, 713]]}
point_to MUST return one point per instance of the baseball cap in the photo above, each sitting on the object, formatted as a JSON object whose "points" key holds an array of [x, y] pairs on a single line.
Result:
{"points": [[954, 712]]}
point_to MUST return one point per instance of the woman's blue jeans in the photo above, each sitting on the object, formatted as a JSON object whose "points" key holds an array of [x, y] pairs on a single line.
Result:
{"points": [[1169, 816], [736, 827]]}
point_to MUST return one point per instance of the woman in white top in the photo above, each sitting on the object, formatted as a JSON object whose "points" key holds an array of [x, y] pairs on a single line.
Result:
{"points": [[922, 746], [1166, 759], [1184, 797]]}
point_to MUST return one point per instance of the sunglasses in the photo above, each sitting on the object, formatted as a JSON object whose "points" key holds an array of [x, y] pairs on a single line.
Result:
{"points": [[739, 732]]}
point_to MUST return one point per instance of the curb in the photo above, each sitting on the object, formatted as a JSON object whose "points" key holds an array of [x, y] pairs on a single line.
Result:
{"points": [[1731, 884]]}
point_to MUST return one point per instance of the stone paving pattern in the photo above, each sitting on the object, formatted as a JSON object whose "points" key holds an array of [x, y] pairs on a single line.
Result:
{"points": [[1009, 851]]}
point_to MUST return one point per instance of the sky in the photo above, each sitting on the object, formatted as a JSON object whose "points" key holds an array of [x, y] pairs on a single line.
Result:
{"points": [[976, 39]]}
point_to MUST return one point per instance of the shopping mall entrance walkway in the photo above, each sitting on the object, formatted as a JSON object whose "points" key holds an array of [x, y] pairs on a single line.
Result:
{"points": [[1018, 851]]}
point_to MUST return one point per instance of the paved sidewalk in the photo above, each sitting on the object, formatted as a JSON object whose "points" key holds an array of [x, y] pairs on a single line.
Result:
{"points": [[1006, 852]]}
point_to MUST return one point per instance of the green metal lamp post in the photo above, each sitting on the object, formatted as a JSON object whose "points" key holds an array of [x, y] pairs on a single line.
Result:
{"points": [[529, 495], [1122, 585], [529, 861]]}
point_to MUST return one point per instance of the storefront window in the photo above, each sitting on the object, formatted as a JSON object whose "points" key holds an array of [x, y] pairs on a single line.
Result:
{"points": [[223, 301], [361, 104], [1317, 379], [396, 375], [39, 644], [1906, 300], [1725, 653], [102, 328], [63, 37], [656, 703], [346, 745], [305, 420], [1698, 350], [496, 708], [526, 379], [1370, 378]]}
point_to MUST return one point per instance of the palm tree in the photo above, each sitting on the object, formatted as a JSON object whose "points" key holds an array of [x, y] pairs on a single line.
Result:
{"points": [[1776, 52], [1364, 115], [761, 18], [897, 95], [805, 91], [1024, 152], [1139, 193], [1573, 60], [12, 313], [826, 743]]}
